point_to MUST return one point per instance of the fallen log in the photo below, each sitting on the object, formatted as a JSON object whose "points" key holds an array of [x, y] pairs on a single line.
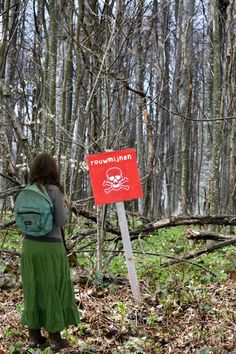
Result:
{"points": [[196, 220], [205, 235], [200, 252], [222, 220]]}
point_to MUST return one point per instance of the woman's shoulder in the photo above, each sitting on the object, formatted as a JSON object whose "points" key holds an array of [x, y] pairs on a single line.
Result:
{"points": [[53, 188]]}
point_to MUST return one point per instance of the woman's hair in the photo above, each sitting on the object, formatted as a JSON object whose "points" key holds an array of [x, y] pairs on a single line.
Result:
{"points": [[44, 171]]}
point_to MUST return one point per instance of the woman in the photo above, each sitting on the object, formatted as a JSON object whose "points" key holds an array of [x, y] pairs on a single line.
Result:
{"points": [[48, 292]]}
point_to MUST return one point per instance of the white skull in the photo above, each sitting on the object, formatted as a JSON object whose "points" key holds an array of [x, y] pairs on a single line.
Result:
{"points": [[114, 175]]}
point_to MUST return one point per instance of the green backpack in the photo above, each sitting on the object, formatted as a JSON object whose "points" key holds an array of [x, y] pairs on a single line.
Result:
{"points": [[33, 211]]}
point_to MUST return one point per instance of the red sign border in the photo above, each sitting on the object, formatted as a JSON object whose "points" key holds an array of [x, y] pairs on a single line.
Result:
{"points": [[136, 191]]}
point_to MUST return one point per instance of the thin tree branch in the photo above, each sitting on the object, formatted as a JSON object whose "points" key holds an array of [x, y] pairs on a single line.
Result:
{"points": [[202, 251], [156, 254], [14, 180]]}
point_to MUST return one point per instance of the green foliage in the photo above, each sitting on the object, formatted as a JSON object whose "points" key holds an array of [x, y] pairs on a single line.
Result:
{"points": [[152, 319], [19, 309], [176, 281], [13, 332], [39, 351], [169, 280], [121, 312], [15, 349], [13, 239], [2, 267], [136, 345], [98, 278]]}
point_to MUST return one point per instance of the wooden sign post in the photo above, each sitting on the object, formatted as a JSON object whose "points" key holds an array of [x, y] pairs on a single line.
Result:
{"points": [[128, 250], [115, 178]]}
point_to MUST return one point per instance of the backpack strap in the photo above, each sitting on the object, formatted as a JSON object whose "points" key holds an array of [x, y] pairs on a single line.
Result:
{"points": [[43, 191]]}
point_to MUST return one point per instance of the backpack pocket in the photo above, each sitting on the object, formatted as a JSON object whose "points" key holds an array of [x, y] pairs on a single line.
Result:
{"points": [[34, 222]]}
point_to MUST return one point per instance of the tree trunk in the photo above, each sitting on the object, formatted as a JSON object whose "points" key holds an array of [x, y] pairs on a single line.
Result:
{"points": [[186, 101], [213, 185]]}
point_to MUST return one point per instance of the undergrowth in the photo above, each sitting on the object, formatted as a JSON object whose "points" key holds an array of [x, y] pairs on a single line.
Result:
{"points": [[170, 293]]}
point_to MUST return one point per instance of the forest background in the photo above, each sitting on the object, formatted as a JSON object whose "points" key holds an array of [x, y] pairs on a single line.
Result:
{"points": [[81, 77]]}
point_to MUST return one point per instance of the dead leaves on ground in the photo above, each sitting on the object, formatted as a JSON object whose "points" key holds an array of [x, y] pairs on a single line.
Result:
{"points": [[111, 322]]}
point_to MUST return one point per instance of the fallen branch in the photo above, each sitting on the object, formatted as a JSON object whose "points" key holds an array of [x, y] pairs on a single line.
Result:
{"points": [[196, 220], [9, 192], [7, 224], [13, 180], [202, 251], [156, 254], [223, 220], [202, 235], [12, 253]]}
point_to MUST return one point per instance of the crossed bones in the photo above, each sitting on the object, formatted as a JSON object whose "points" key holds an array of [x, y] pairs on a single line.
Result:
{"points": [[115, 181]]}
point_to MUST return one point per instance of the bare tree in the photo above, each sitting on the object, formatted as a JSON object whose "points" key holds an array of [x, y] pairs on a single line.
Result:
{"points": [[81, 77]]}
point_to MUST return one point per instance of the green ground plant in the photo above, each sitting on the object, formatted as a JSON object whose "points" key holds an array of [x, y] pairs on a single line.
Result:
{"points": [[173, 242], [174, 289], [150, 257]]}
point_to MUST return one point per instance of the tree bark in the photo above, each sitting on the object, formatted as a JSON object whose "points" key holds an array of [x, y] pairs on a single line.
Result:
{"points": [[214, 178]]}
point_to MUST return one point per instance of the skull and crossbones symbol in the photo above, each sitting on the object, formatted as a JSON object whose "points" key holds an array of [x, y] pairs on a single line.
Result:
{"points": [[115, 180]]}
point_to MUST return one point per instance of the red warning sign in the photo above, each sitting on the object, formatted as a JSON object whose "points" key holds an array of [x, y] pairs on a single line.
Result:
{"points": [[114, 176]]}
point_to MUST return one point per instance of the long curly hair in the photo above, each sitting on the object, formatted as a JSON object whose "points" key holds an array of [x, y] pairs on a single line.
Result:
{"points": [[44, 171]]}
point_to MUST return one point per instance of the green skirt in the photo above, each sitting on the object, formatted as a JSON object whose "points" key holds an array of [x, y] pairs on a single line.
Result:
{"points": [[48, 290]]}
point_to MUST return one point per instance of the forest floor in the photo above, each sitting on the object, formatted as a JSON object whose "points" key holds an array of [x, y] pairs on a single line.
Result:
{"points": [[196, 321]]}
